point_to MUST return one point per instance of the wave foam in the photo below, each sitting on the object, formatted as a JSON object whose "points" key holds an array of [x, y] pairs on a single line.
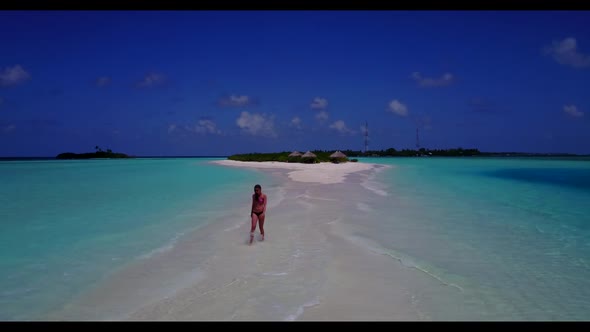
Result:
{"points": [[376, 187], [301, 309], [405, 260]]}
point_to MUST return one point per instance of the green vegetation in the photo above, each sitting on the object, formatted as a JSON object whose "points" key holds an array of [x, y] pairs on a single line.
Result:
{"points": [[391, 152], [91, 155], [458, 152], [324, 156], [280, 156]]}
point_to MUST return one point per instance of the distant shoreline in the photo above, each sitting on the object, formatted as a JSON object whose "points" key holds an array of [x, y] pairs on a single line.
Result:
{"points": [[93, 155], [483, 155]]}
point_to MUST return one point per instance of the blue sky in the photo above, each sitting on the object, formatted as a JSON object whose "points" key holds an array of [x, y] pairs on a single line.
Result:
{"points": [[217, 83]]}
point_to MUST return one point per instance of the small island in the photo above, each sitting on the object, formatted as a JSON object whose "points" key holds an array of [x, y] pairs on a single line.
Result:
{"points": [[108, 154], [318, 156]]}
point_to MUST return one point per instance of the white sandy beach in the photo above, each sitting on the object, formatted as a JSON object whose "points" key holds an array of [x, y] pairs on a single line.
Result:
{"points": [[314, 264], [324, 173]]}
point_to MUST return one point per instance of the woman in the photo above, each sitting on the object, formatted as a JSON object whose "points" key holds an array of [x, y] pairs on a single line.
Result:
{"points": [[258, 211]]}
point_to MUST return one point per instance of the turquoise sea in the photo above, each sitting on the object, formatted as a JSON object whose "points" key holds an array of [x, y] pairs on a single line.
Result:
{"points": [[512, 235], [66, 225]]}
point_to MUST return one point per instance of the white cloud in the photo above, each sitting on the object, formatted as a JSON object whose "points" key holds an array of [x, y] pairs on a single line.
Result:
{"points": [[565, 52], [322, 116], [9, 128], [151, 79], [572, 110], [363, 129], [103, 81], [207, 127], [295, 122], [444, 80], [256, 124], [235, 101], [319, 103], [398, 108], [15, 75], [171, 128], [340, 126]]}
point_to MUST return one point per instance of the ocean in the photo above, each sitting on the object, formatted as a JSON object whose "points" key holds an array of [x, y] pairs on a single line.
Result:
{"points": [[509, 236], [67, 225]]}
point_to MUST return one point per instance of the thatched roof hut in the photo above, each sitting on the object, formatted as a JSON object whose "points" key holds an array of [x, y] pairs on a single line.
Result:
{"points": [[295, 156], [337, 157], [309, 154], [337, 154], [309, 157]]}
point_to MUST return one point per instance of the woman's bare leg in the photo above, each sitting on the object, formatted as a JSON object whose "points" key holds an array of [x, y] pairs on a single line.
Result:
{"points": [[261, 225], [253, 228]]}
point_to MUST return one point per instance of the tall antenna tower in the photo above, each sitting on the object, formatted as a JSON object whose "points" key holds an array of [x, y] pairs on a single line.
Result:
{"points": [[366, 136], [417, 140]]}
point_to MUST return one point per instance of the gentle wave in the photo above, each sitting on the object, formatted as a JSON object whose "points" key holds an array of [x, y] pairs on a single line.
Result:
{"points": [[301, 309], [408, 262], [376, 187], [405, 260], [165, 248]]}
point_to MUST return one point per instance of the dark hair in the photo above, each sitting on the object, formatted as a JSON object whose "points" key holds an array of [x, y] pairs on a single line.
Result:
{"points": [[258, 186]]}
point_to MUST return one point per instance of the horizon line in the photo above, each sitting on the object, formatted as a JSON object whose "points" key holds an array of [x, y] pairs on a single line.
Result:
{"points": [[225, 156]]}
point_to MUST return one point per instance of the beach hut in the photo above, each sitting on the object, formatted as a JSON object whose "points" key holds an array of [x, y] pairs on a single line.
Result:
{"points": [[295, 156], [309, 158], [337, 157]]}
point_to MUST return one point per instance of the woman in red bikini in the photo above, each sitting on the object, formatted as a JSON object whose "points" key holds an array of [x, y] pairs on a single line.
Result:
{"points": [[258, 211]]}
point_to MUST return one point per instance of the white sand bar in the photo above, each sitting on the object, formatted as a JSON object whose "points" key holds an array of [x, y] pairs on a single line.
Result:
{"points": [[320, 260], [325, 173]]}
